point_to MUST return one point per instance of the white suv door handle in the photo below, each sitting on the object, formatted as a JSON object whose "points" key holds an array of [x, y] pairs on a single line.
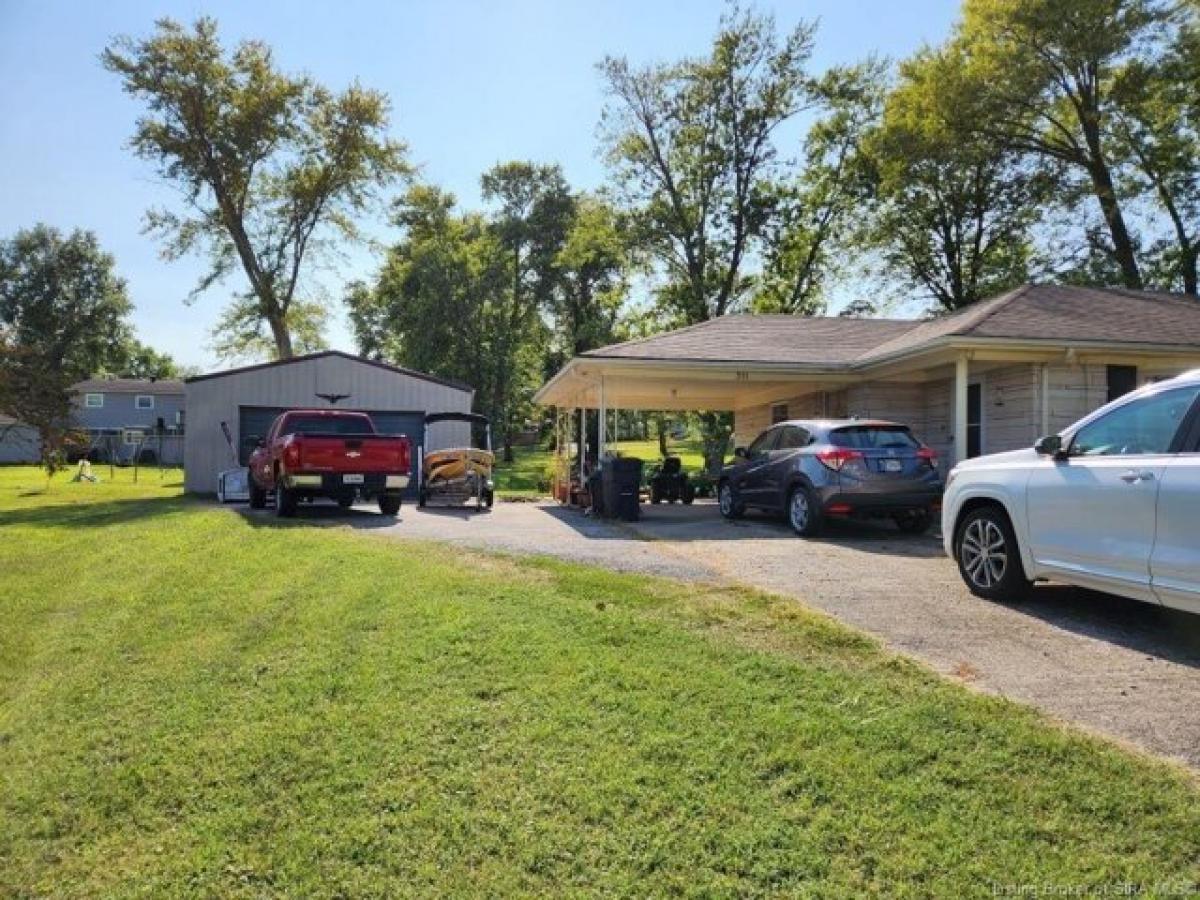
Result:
{"points": [[1132, 477]]}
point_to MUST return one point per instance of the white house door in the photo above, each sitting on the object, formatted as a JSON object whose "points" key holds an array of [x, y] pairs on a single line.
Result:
{"points": [[1092, 516]]}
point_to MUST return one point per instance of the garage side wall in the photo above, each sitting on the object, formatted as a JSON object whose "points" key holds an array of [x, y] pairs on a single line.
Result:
{"points": [[211, 401]]}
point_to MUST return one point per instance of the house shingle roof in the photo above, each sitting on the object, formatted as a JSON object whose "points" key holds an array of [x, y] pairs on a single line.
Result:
{"points": [[158, 386], [1030, 313], [745, 338]]}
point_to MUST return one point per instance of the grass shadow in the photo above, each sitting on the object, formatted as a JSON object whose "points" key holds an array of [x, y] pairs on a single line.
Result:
{"points": [[318, 515], [97, 514]]}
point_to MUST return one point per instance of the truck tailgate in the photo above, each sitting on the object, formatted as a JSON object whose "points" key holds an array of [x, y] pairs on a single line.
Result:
{"points": [[354, 453]]}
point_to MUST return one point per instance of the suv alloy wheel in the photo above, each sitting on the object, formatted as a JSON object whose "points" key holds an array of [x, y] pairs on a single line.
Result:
{"points": [[727, 500], [988, 557], [804, 515]]}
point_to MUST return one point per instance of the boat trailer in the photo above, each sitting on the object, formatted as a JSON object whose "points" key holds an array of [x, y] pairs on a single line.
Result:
{"points": [[457, 475]]}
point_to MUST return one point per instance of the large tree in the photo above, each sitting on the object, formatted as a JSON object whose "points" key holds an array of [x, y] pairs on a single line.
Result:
{"points": [[532, 209], [1043, 74], [270, 166], [692, 146], [816, 206], [591, 280], [133, 359], [951, 212], [62, 318], [1157, 131]]}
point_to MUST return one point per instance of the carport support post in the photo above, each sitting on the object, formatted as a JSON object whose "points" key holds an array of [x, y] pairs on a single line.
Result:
{"points": [[582, 446], [603, 430], [961, 373]]}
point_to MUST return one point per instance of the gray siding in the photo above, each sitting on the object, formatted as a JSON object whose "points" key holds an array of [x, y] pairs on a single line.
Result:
{"points": [[19, 444], [212, 401], [119, 411], [1012, 403]]}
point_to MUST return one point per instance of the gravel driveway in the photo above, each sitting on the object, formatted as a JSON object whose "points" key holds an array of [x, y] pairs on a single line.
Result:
{"points": [[1126, 669]]}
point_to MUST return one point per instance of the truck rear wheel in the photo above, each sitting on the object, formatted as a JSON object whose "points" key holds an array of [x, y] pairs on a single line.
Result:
{"points": [[389, 504], [285, 500], [258, 496]]}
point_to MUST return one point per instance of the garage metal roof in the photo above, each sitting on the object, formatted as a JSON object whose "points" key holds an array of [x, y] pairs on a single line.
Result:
{"points": [[400, 370]]}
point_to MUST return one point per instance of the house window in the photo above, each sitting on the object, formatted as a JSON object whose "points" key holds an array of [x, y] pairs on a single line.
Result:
{"points": [[974, 420], [779, 413], [143, 401], [93, 401], [1121, 380], [131, 437]]}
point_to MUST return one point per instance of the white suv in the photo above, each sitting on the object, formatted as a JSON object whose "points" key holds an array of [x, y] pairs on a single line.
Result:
{"points": [[1112, 504]]}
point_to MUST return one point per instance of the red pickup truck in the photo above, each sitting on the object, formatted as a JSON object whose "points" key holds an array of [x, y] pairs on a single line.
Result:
{"points": [[328, 453]]}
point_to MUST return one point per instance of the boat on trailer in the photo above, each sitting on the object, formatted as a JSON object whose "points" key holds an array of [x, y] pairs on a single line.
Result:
{"points": [[456, 475]]}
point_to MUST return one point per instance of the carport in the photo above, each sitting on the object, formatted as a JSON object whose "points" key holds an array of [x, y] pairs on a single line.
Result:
{"points": [[594, 384], [990, 378]]}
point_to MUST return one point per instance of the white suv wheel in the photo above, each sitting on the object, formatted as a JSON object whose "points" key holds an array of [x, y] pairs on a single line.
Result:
{"points": [[984, 553]]}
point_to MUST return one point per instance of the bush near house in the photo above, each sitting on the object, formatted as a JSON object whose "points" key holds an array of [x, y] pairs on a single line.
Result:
{"points": [[195, 702]]}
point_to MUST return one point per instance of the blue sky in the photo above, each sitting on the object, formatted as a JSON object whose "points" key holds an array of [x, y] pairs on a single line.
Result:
{"points": [[472, 84]]}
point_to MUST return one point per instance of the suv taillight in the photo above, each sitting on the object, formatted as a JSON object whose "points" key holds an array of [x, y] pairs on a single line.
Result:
{"points": [[838, 457], [291, 456], [928, 456]]}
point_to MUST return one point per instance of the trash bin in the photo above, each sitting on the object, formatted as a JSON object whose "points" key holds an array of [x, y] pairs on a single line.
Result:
{"points": [[595, 489], [622, 485]]}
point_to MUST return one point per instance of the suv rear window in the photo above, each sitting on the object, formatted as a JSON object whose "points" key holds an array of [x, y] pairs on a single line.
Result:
{"points": [[328, 425], [874, 437]]}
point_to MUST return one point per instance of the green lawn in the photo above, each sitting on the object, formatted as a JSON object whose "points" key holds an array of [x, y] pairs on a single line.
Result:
{"points": [[528, 475], [197, 704]]}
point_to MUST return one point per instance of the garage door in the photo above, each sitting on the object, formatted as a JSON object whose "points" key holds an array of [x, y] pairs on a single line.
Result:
{"points": [[255, 421]]}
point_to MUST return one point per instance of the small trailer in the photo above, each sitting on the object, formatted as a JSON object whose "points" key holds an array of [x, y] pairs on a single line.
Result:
{"points": [[457, 475]]}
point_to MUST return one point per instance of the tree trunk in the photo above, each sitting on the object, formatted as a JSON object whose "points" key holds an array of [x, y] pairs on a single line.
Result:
{"points": [[283, 337], [1187, 268], [1110, 206], [662, 437]]}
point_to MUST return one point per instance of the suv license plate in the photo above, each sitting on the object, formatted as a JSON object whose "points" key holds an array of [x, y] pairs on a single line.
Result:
{"points": [[352, 479], [893, 465]]}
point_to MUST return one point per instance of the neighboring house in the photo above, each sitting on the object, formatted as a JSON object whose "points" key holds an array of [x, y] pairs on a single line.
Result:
{"points": [[19, 443], [119, 415], [992, 377]]}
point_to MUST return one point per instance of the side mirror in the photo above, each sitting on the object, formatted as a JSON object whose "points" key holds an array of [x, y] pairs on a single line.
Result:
{"points": [[740, 453], [1050, 445]]}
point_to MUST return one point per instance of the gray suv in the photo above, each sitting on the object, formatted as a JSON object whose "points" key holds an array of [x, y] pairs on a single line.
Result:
{"points": [[811, 470]]}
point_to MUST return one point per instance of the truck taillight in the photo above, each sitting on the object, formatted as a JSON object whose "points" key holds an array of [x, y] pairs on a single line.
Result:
{"points": [[405, 457], [838, 458]]}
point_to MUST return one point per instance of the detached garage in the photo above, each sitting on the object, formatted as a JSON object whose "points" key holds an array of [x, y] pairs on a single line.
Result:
{"points": [[246, 400]]}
